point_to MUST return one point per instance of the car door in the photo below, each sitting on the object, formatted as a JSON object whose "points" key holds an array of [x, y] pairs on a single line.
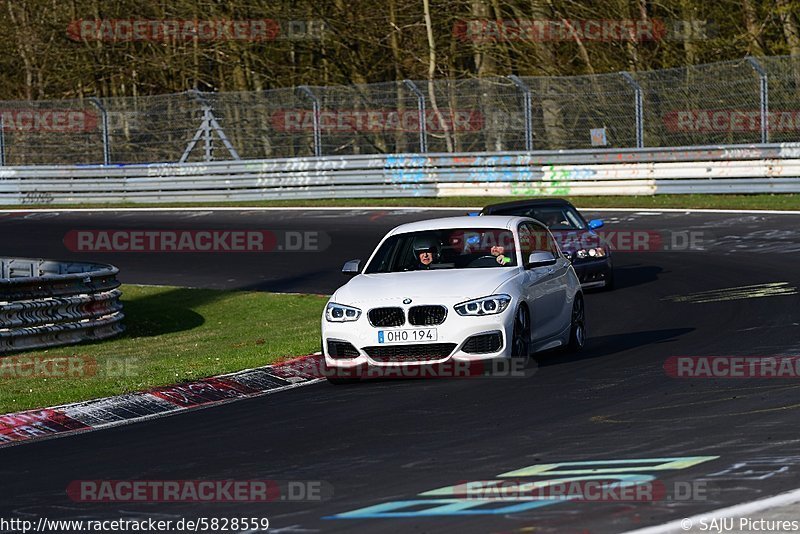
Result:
{"points": [[558, 292], [538, 282], [551, 281]]}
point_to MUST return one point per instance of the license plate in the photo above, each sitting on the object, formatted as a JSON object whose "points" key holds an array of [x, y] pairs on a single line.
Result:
{"points": [[416, 335]]}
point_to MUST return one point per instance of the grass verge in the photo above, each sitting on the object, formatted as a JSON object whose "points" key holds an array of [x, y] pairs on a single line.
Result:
{"points": [[756, 202], [173, 335]]}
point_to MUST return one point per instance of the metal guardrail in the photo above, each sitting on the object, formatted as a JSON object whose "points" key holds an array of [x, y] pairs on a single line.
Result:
{"points": [[709, 169], [47, 303]]}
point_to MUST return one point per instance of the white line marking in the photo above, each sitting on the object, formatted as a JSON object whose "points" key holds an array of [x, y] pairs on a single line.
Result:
{"points": [[373, 208], [698, 210], [736, 293], [737, 510]]}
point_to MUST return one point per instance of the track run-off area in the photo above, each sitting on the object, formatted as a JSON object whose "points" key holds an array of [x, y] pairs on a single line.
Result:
{"points": [[399, 455]]}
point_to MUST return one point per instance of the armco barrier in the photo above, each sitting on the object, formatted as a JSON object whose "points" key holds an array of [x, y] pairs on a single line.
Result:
{"points": [[713, 169], [48, 303]]}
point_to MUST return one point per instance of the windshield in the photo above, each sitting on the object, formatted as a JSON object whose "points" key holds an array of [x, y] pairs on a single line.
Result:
{"points": [[469, 248], [554, 217]]}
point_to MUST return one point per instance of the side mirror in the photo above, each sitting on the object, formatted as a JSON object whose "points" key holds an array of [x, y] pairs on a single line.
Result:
{"points": [[352, 267], [540, 258], [595, 223]]}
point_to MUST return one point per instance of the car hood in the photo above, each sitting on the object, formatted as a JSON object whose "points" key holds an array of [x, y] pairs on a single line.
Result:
{"points": [[430, 286], [574, 240]]}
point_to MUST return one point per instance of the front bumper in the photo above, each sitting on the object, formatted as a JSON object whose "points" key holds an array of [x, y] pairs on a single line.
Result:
{"points": [[593, 273], [453, 334]]}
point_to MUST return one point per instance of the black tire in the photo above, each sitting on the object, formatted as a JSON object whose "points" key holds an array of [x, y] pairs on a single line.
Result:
{"points": [[338, 381], [609, 280], [521, 338], [577, 330]]}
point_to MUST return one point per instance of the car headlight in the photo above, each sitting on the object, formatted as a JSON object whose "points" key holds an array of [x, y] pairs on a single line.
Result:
{"points": [[339, 313], [597, 252], [484, 305]]}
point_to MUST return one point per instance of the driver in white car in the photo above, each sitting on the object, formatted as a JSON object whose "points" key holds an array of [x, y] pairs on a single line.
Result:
{"points": [[425, 252]]}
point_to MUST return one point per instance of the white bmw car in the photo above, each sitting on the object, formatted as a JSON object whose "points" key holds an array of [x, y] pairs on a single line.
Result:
{"points": [[455, 289]]}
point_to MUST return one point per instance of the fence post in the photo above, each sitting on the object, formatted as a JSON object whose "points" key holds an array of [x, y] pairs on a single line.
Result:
{"points": [[637, 90], [764, 96], [421, 113], [2, 142], [104, 118], [206, 125], [526, 101], [306, 90]]}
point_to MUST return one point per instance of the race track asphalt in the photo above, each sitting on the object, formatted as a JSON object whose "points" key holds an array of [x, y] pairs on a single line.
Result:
{"points": [[383, 442]]}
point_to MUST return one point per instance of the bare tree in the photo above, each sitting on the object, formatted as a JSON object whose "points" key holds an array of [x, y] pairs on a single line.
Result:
{"points": [[426, 7]]}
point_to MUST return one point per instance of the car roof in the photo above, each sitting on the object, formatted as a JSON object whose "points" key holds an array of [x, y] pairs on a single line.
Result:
{"points": [[529, 202], [490, 221]]}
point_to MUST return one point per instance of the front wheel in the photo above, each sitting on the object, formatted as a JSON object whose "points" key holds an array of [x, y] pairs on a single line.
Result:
{"points": [[521, 339], [577, 331], [609, 280], [338, 376]]}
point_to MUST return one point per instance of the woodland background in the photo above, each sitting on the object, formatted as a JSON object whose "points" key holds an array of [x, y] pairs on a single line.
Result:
{"points": [[364, 41]]}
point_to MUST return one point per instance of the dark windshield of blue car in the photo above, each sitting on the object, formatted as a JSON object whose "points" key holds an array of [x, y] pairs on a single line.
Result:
{"points": [[554, 217]]}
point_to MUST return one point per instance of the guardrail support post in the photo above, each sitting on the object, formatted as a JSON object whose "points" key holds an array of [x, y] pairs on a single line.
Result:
{"points": [[2, 142], [764, 97], [104, 121], [421, 114], [637, 91], [526, 102], [306, 90]]}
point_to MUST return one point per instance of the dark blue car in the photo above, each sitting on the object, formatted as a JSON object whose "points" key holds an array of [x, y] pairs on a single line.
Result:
{"points": [[577, 238]]}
